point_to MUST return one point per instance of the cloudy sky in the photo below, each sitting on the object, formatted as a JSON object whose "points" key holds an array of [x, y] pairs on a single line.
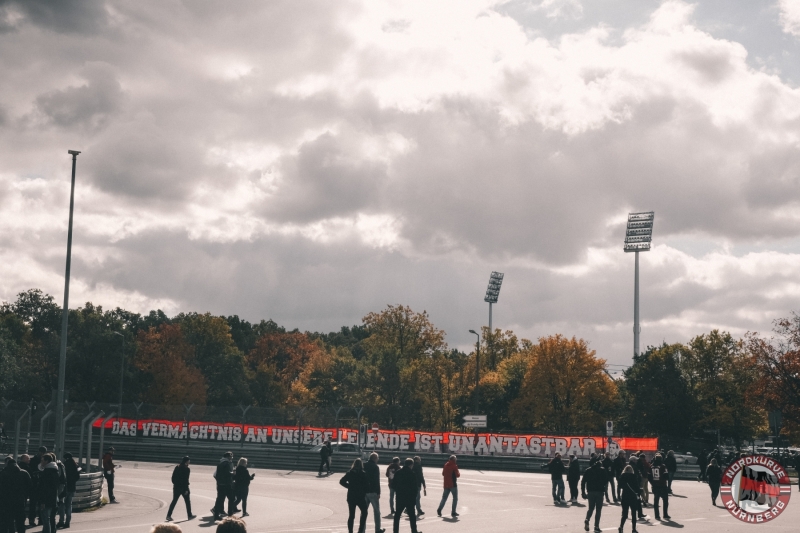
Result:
{"points": [[311, 161]]}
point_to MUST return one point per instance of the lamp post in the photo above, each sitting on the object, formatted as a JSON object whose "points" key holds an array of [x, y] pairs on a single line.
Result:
{"points": [[121, 371], [638, 236], [492, 293], [62, 362], [477, 367]]}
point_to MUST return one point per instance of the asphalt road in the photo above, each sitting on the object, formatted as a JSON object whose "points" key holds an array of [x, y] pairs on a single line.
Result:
{"points": [[300, 502]]}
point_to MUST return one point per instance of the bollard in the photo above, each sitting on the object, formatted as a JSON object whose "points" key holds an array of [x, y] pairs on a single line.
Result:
{"points": [[83, 426]]}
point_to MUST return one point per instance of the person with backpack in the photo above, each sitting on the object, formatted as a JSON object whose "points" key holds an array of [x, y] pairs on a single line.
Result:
{"points": [[629, 497], [49, 481], [556, 469], [573, 478], [356, 483], [672, 467], [180, 488], [714, 476], [450, 474], [393, 467], [15, 485], [224, 477], [658, 476], [72, 475], [405, 484], [241, 482], [594, 482]]}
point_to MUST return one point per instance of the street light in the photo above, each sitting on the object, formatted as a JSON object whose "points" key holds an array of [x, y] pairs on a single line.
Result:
{"points": [[62, 362], [477, 366], [121, 371], [638, 236]]}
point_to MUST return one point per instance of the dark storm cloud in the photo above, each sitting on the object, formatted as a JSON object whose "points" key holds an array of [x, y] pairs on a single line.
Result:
{"points": [[63, 16]]}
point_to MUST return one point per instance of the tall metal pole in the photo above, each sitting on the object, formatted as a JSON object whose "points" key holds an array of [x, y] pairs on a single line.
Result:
{"points": [[121, 371], [62, 363], [636, 328], [490, 318], [477, 369]]}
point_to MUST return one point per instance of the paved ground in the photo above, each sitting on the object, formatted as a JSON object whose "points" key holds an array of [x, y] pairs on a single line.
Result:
{"points": [[300, 502]]}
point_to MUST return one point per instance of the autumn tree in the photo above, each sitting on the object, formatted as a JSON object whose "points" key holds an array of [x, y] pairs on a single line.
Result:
{"points": [[167, 359], [566, 388], [776, 365]]}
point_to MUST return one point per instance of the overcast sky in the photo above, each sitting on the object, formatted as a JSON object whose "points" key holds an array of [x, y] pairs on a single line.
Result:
{"points": [[310, 161]]}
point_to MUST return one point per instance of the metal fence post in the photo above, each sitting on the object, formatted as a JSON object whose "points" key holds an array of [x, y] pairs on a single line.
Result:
{"points": [[41, 426], [102, 437], [64, 432], [89, 440], [83, 427], [16, 436]]}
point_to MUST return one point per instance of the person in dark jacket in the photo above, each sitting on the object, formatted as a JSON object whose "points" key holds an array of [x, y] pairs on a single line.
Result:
{"points": [[33, 502], [242, 479], [15, 485], [702, 462], [405, 486], [573, 477], [109, 469], [556, 469], [658, 476], [594, 482], [629, 497], [391, 470], [419, 475], [356, 483], [672, 466], [608, 466], [47, 489], [224, 476], [180, 487], [643, 468], [620, 462], [374, 489], [714, 476], [325, 457], [72, 474]]}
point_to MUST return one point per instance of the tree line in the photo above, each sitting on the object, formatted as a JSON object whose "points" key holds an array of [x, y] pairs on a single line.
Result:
{"points": [[398, 363]]}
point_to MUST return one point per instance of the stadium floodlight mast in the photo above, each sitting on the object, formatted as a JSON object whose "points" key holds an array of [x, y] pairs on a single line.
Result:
{"points": [[492, 293], [62, 362], [638, 237]]}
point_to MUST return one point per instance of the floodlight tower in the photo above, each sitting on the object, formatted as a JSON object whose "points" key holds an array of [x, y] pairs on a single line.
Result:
{"points": [[637, 239], [492, 292]]}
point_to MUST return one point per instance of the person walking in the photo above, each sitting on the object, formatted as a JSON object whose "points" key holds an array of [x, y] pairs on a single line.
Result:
{"points": [[620, 462], [573, 478], [15, 485], [702, 462], [608, 466], [714, 476], [420, 478], [241, 483], [374, 489], [658, 476], [356, 483], [180, 488], [643, 468], [325, 457], [405, 485], [393, 467], [556, 469], [224, 477], [48, 492], [672, 466], [72, 475], [629, 497], [108, 472], [450, 474], [594, 483]]}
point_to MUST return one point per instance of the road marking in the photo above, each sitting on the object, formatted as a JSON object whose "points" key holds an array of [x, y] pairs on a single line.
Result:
{"points": [[692, 519], [490, 491], [535, 496]]}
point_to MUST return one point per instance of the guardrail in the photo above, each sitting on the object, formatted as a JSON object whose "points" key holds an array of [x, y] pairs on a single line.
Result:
{"points": [[88, 491]]}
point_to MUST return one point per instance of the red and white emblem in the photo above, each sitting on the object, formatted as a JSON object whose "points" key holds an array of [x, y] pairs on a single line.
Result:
{"points": [[755, 489]]}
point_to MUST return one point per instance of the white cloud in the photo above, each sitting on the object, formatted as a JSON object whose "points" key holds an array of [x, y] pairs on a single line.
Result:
{"points": [[790, 16]]}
